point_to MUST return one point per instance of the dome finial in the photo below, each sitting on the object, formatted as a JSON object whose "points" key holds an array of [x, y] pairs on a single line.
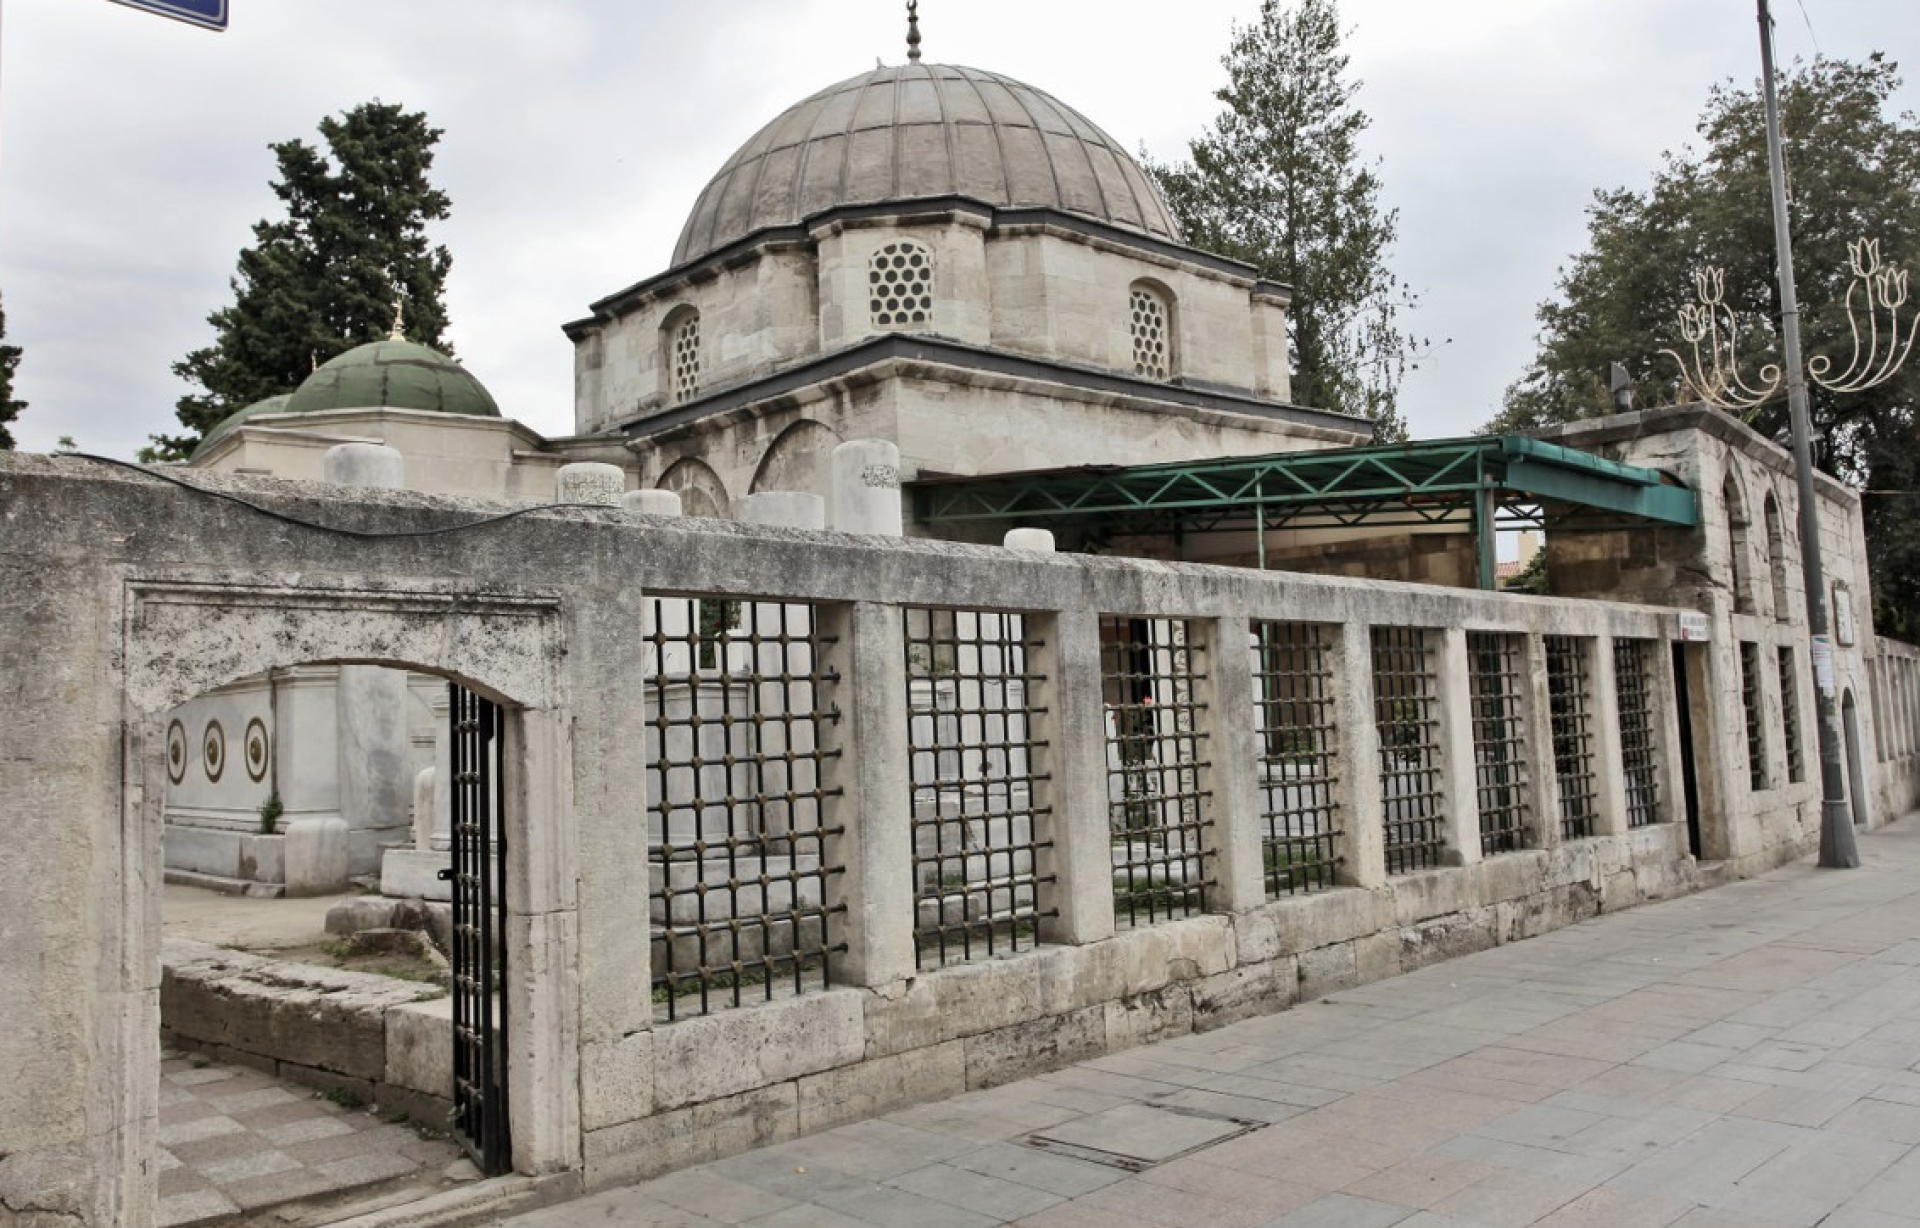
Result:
{"points": [[913, 31], [398, 333]]}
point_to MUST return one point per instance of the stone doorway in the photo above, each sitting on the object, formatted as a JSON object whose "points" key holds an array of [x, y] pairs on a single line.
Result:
{"points": [[188, 640]]}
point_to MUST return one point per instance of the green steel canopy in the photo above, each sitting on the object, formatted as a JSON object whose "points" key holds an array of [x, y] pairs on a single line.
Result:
{"points": [[1477, 484]]}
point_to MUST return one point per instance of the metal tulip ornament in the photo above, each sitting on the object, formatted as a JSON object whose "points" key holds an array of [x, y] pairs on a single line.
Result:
{"points": [[1712, 364]]}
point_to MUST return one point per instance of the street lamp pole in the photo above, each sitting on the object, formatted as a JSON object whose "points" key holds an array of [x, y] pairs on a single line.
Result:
{"points": [[1837, 847]]}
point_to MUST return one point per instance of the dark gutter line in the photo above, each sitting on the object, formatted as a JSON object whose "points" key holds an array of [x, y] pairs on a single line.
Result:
{"points": [[902, 347]]}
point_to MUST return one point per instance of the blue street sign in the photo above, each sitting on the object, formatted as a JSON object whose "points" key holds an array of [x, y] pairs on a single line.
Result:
{"points": [[207, 14]]}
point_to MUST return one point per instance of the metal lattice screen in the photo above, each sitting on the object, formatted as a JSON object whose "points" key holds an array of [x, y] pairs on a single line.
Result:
{"points": [[1158, 811], [1293, 705], [1406, 716], [1570, 713], [1750, 704], [1790, 718], [739, 848], [982, 829], [1499, 739], [1633, 694]]}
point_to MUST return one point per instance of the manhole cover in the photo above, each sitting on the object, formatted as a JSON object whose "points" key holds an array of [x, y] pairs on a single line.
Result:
{"points": [[1138, 1136]]}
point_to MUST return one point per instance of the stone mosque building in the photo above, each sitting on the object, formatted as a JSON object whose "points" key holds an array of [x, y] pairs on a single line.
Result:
{"points": [[949, 263], [934, 256], [943, 261]]}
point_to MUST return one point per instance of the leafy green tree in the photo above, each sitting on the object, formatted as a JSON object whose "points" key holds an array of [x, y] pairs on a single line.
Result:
{"points": [[325, 277], [1278, 181], [9, 408], [1853, 172]]}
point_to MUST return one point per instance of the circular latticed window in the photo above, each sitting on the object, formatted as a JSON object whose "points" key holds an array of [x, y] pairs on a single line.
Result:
{"points": [[1151, 358], [900, 282], [686, 359]]}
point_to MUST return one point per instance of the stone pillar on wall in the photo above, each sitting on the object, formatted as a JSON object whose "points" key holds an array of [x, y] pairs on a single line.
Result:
{"points": [[1072, 725], [782, 509], [374, 744], [1609, 770], [1239, 867], [652, 502], [591, 482], [1356, 766], [866, 488], [1455, 689], [1543, 782], [865, 644]]}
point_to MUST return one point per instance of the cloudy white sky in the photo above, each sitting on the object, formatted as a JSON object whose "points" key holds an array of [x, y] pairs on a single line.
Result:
{"points": [[133, 150]]}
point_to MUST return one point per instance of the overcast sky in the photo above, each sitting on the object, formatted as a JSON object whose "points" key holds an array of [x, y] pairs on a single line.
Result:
{"points": [[134, 160]]}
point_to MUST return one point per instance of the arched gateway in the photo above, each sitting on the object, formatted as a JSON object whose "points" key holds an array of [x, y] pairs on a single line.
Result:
{"points": [[106, 639]]}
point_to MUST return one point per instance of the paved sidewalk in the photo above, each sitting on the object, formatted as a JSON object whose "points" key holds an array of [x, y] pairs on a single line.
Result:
{"points": [[234, 1140], [1747, 1056]]}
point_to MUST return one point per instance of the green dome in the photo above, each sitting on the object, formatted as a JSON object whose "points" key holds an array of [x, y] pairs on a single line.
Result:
{"points": [[393, 375], [272, 405]]}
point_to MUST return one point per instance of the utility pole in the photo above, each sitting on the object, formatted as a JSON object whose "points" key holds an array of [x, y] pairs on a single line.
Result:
{"points": [[1838, 849]]}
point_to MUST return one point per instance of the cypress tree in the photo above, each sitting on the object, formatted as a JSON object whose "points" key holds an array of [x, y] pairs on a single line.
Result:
{"points": [[328, 275], [9, 408], [1278, 181]]}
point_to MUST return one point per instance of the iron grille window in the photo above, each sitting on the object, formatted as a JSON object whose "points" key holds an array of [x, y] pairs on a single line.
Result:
{"points": [[1157, 809], [1911, 707], [739, 849], [1790, 718], [1405, 714], [1909, 703], [1750, 701], [1911, 693], [1633, 692], [1499, 740], [1300, 837], [982, 830], [1570, 712], [684, 355], [900, 285], [1893, 728], [1152, 329]]}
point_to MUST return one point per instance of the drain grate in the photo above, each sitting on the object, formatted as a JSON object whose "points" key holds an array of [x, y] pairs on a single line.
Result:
{"points": [[1136, 1137]]}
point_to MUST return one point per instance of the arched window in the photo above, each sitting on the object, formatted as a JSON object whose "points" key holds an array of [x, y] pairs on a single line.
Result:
{"points": [[900, 286], [680, 354], [1777, 558], [1151, 325], [1738, 564]]}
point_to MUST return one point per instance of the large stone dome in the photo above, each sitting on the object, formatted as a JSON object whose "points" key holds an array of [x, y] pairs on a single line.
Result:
{"points": [[917, 131], [393, 374]]}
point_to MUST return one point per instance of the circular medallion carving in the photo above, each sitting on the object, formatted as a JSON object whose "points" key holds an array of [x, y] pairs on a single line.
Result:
{"points": [[213, 750], [256, 750], [176, 752]]}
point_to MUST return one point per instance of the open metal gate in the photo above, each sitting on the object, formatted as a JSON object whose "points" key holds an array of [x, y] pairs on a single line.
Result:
{"points": [[478, 873]]}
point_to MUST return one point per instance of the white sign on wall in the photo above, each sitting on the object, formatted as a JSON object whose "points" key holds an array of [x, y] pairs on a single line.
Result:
{"points": [[1694, 627], [1843, 617]]}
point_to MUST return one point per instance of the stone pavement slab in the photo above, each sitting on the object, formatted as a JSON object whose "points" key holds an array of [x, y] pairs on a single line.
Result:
{"points": [[233, 1140], [1748, 1057]]}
